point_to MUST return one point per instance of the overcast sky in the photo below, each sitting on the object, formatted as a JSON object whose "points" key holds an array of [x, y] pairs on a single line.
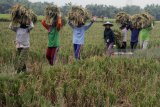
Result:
{"points": [[118, 3]]}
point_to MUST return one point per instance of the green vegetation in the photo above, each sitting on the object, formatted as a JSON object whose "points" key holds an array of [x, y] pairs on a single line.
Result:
{"points": [[96, 9], [94, 81], [7, 17]]}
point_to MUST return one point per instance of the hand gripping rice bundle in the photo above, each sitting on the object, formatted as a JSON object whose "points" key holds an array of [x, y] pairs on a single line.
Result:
{"points": [[122, 18], [51, 14], [21, 14], [78, 15]]}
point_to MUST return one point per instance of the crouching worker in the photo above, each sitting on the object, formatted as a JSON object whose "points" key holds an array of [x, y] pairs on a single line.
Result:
{"points": [[22, 45], [78, 36], [109, 37], [53, 38]]}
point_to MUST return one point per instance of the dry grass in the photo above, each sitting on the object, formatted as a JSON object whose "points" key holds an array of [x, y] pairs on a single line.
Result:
{"points": [[94, 81]]}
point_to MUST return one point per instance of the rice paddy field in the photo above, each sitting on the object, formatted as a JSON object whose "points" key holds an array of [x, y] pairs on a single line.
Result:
{"points": [[94, 81]]}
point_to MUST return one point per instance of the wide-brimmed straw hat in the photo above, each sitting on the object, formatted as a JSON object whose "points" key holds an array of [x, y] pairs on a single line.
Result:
{"points": [[108, 23]]}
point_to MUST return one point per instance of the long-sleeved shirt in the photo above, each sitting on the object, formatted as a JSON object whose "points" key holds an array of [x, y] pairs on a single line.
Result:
{"points": [[22, 36], [79, 33], [49, 27], [53, 35], [108, 36]]}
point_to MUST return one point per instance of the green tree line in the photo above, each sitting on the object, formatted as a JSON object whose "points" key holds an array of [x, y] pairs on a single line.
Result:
{"points": [[98, 10]]}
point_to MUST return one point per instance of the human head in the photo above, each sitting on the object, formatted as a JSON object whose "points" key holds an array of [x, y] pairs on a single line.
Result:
{"points": [[108, 25]]}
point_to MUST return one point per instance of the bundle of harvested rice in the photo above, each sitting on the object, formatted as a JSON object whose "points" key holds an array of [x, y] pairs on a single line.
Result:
{"points": [[149, 19], [21, 14], [142, 20], [138, 21], [122, 18], [118, 37], [34, 16], [51, 14], [78, 15]]}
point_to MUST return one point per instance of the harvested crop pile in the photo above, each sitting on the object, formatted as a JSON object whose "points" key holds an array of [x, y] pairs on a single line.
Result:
{"points": [[149, 18], [138, 21], [78, 15], [51, 14], [22, 14], [118, 37], [122, 18], [142, 20]]}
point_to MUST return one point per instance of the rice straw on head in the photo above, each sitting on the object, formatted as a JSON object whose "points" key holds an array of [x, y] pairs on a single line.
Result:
{"points": [[21, 14], [142, 20], [78, 15], [51, 13], [122, 18]]}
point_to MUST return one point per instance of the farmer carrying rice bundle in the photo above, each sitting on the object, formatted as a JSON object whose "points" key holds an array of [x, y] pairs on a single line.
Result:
{"points": [[146, 30], [142, 23], [123, 19], [135, 27], [23, 18], [53, 24], [77, 19]]}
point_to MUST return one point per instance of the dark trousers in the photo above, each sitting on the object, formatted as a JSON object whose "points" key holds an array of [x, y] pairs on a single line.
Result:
{"points": [[77, 48], [51, 54], [124, 46], [133, 45]]}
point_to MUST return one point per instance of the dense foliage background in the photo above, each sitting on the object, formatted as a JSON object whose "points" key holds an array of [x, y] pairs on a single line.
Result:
{"points": [[98, 10]]}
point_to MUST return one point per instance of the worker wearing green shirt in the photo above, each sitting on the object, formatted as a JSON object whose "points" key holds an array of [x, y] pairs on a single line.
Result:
{"points": [[144, 37]]}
